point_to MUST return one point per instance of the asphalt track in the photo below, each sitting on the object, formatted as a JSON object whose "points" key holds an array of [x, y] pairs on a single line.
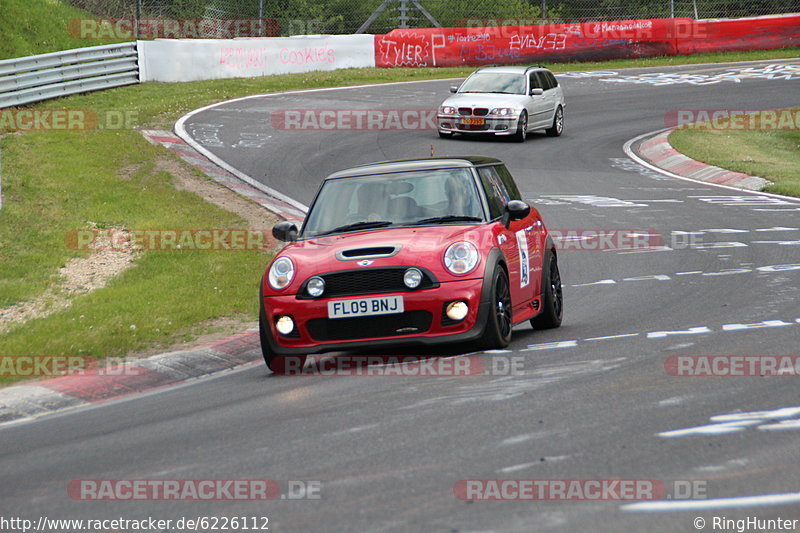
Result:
{"points": [[593, 399]]}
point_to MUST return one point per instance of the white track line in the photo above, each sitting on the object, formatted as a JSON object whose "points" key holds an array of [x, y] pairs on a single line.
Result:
{"points": [[718, 503]]}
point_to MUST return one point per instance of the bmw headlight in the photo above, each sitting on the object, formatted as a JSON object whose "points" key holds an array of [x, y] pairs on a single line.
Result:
{"points": [[281, 273], [502, 111], [461, 257], [447, 110]]}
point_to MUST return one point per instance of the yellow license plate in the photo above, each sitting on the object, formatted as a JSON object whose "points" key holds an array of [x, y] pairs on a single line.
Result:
{"points": [[473, 121]]}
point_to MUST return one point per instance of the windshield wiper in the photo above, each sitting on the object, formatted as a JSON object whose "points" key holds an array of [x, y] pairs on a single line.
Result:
{"points": [[364, 224], [447, 218]]}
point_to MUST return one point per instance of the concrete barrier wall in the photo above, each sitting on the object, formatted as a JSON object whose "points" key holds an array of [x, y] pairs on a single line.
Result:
{"points": [[592, 41], [760, 33], [446, 47], [206, 59]]}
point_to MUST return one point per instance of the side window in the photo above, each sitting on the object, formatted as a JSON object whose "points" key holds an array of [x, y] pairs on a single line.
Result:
{"points": [[508, 182], [553, 80], [536, 83], [546, 85], [496, 193]]}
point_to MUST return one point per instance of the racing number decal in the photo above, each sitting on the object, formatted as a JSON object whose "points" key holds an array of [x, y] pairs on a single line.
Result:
{"points": [[524, 272]]}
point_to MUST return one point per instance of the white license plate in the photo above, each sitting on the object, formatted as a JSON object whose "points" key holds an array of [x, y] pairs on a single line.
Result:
{"points": [[386, 305]]}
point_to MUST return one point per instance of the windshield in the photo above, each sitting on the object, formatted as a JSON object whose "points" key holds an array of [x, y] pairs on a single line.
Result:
{"points": [[421, 197], [493, 82]]}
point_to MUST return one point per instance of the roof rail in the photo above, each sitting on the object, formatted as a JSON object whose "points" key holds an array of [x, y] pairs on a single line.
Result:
{"points": [[498, 65], [534, 66]]}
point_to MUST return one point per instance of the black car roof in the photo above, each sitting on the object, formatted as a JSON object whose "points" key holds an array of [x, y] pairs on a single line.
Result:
{"points": [[405, 165]]}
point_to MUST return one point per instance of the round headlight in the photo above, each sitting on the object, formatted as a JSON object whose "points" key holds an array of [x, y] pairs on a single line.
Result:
{"points": [[281, 273], [315, 286], [412, 278], [461, 257]]}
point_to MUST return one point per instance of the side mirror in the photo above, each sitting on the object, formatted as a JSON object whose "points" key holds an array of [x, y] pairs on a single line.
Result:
{"points": [[454, 88], [285, 231], [517, 209], [537, 92]]}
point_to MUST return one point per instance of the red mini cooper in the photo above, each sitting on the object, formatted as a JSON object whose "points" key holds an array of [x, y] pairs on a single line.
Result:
{"points": [[422, 251]]}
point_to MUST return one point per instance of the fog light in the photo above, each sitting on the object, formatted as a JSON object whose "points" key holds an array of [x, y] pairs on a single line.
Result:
{"points": [[412, 278], [315, 286], [457, 310], [285, 325]]}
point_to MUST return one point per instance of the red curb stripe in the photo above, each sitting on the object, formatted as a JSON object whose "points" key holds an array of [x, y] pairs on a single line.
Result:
{"points": [[657, 150], [94, 387]]}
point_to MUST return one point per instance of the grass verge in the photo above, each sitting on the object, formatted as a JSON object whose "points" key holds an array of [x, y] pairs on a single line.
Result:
{"points": [[56, 181], [763, 150], [32, 27]]}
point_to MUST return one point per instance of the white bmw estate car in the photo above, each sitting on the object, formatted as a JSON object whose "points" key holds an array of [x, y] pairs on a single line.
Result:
{"points": [[504, 101]]}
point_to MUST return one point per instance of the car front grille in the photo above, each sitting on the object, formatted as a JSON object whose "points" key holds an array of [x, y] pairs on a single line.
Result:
{"points": [[341, 329], [468, 111], [368, 281]]}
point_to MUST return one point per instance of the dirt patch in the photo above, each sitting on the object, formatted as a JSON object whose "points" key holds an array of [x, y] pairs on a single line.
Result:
{"points": [[46, 304], [128, 171], [86, 274], [82, 275], [79, 276]]}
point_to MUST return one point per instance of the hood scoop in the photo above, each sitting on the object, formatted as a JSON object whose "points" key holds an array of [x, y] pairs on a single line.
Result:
{"points": [[371, 252]]}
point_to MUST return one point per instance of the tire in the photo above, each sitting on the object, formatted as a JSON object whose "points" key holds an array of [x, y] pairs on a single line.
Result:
{"points": [[558, 124], [277, 363], [446, 135], [497, 332], [522, 128], [553, 305]]}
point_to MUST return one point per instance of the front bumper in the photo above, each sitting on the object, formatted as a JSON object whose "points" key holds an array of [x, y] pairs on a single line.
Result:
{"points": [[422, 322], [495, 124]]}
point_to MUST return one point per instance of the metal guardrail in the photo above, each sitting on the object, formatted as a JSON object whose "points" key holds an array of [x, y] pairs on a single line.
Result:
{"points": [[30, 79]]}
